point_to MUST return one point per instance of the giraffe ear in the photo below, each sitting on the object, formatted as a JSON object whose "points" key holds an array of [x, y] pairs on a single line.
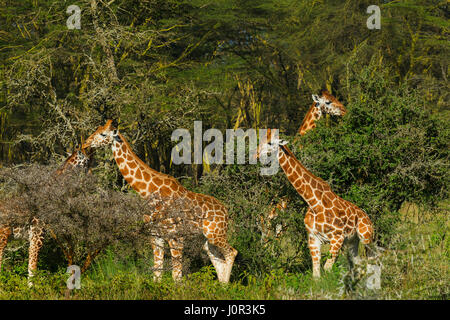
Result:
{"points": [[108, 124], [282, 142], [315, 98]]}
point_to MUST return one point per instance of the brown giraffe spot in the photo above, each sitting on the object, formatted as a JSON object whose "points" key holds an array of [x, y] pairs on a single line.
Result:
{"points": [[301, 190], [338, 223], [339, 212], [307, 177], [294, 176], [292, 163], [119, 161], [308, 193], [318, 193], [132, 164], [140, 185], [329, 195], [157, 181], [146, 175], [312, 202], [297, 184], [175, 187], [125, 171], [320, 218], [337, 204], [326, 202], [152, 187], [138, 174], [289, 170]]}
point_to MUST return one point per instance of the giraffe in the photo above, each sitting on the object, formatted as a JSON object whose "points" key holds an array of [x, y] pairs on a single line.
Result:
{"points": [[78, 159], [323, 104], [266, 224], [211, 216], [329, 217]]}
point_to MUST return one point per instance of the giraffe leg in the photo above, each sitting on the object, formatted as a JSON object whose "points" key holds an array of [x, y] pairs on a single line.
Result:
{"points": [[176, 251], [36, 240], [4, 235], [336, 245], [314, 248], [353, 247], [158, 258]]}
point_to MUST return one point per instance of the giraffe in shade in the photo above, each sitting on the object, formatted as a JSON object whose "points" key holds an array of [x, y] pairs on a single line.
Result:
{"points": [[78, 159], [329, 219], [323, 104], [210, 217]]}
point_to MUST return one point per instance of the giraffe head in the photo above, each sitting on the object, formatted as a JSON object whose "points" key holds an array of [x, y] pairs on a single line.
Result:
{"points": [[327, 103], [269, 144], [103, 136], [78, 159]]}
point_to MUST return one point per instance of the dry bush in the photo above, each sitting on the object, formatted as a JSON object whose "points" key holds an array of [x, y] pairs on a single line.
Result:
{"points": [[85, 217]]}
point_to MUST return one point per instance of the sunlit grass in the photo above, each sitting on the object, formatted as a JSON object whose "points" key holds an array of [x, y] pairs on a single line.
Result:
{"points": [[415, 266]]}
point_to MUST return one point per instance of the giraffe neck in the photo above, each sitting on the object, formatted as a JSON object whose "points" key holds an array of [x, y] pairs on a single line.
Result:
{"points": [[310, 187], [74, 161], [309, 122], [140, 176]]}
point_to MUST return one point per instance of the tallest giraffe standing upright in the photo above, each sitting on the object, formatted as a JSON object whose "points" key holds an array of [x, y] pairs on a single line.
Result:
{"points": [[210, 215]]}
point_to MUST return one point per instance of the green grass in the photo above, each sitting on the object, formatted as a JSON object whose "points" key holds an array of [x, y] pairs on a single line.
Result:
{"points": [[415, 266]]}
